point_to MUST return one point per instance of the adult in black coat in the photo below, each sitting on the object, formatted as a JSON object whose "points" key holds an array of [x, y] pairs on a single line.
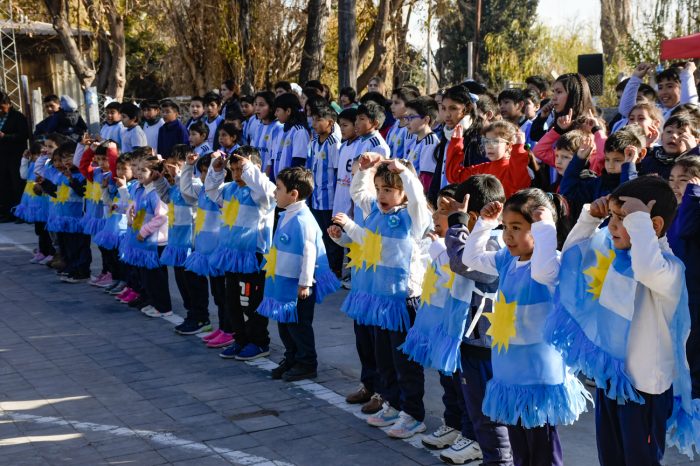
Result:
{"points": [[14, 134]]}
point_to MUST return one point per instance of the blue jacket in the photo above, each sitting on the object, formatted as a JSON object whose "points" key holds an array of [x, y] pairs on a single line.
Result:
{"points": [[684, 239], [171, 134], [656, 162]]}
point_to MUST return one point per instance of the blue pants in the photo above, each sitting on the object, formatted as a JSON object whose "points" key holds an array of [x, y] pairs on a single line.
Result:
{"points": [[298, 337], [364, 342], [491, 436], [455, 414], [77, 255], [632, 434], [537, 446], [692, 348]]}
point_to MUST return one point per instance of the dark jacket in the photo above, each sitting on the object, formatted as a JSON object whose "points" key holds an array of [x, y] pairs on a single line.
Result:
{"points": [[16, 134], [658, 163], [171, 134], [684, 239]]}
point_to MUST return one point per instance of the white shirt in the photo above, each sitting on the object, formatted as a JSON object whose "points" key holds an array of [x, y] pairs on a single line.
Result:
{"points": [[152, 133]]}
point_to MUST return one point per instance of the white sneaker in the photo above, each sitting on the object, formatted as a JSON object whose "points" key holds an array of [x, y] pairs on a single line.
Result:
{"points": [[443, 437], [45, 260], [386, 417], [461, 452], [346, 284], [406, 427], [148, 308], [153, 312]]}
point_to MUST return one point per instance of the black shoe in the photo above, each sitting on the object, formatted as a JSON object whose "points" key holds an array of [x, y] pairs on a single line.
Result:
{"points": [[279, 371], [299, 372], [192, 327], [19, 221], [138, 303], [7, 218]]}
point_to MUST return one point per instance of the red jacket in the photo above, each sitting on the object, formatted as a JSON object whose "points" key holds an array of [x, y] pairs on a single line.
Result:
{"points": [[86, 167], [511, 171], [544, 150]]}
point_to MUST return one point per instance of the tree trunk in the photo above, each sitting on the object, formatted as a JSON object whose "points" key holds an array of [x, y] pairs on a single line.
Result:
{"points": [[347, 44], [615, 27], [400, 30], [117, 69], [248, 86], [318, 12], [381, 33]]}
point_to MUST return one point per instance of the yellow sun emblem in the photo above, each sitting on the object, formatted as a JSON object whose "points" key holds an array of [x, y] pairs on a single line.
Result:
{"points": [[171, 214], [138, 220], [229, 213], [429, 285], [599, 272], [372, 249], [199, 220], [62, 193], [502, 322], [355, 256], [29, 189], [270, 263], [447, 272]]}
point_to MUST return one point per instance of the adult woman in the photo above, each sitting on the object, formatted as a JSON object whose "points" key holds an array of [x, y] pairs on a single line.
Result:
{"points": [[14, 133], [231, 107]]}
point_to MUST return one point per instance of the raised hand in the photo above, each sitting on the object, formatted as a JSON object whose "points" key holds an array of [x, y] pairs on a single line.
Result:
{"points": [[395, 166], [192, 158], [565, 121], [542, 214], [599, 208], [631, 205], [641, 70], [451, 206], [340, 219], [585, 148], [491, 211], [217, 161], [369, 160]]}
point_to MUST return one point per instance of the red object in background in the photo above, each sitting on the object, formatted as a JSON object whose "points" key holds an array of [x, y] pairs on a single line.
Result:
{"points": [[681, 47]]}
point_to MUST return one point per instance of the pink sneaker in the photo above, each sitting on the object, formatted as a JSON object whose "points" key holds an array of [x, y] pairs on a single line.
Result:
{"points": [[123, 294], [212, 335], [95, 278], [38, 257], [224, 339], [105, 281], [130, 297]]}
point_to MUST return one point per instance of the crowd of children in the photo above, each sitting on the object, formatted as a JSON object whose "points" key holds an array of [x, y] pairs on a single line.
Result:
{"points": [[511, 242]]}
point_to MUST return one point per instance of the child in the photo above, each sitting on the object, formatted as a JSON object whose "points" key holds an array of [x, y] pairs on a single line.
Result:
{"points": [[396, 137], [268, 130], [33, 207], [510, 105], [508, 159], [196, 111], [49, 124], [419, 116], [347, 96], [565, 150], [621, 317], [297, 275], [206, 237], [199, 135], [172, 132], [251, 124], [648, 117], [684, 239], [244, 238], [212, 105], [293, 142], [228, 138], [132, 134], [531, 390], [679, 137], [347, 153], [145, 244], [112, 127], [530, 108], [323, 162], [369, 119], [152, 122], [385, 292]]}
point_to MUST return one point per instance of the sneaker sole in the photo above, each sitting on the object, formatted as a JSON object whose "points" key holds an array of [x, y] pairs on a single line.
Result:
{"points": [[223, 356], [431, 446], [402, 437], [220, 345], [191, 332], [383, 424], [447, 460], [250, 358]]}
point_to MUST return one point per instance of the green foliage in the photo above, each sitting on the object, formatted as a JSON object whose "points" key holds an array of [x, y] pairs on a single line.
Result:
{"points": [[145, 56]]}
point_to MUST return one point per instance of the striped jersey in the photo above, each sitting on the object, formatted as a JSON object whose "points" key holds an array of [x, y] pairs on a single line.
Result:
{"points": [[265, 139], [395, 138], [346, 156], [323, 161], [291, 144], [422, 153], [373, 142]]}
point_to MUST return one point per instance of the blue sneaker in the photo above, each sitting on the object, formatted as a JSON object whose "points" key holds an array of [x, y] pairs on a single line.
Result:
{"points": [[251, 351], [231, 352]]}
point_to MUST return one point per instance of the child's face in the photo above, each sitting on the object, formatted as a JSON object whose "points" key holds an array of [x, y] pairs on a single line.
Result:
{"points": [[151, 113], [671, 140], [678, 181], [620, 237], [279, 91], [49, 147], [387, 196], [196, 109], [236, 168], [614, 161], [144, 174], [345, 101], [496, 147], [641, 117], [669, 93], [283, 197], [398, 107], [453, 112], [169, 114], [102, 162], [112, 115], [212, 110], [226, 140], [363, 125], [126, 121], [247, 109], [559, 97], [440, 218], [124, 171], [134, 166], [262, 110], [413, 122], [347, 128], [303, 99], [373, 86], [530, 109], [283, 114], [322, 126], [517, 235], [67, 162], [196, 138], [203, 174], [562, 160], [51, 107], [510, 110]]}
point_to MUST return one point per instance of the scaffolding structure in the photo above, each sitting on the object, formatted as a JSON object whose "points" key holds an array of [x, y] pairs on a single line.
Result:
{"points": [[8, 55]]}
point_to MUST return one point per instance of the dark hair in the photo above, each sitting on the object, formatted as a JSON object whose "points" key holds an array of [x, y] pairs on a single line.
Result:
{"points": [[449, 190], [525, 201], [646, 189], [325, 112], [348, 92], [327, 93], [51, 98], [481, 189], [150, 103], [621, 85], [349, 114], [578, 94], [374, 97], [630, 135], [211, 97], [683, 121], [313, 102], [102, 147], [648, 92], [247, 152], [670, 74], [131, 110], [180, 152], [529, 94], [405, 93], [124, 158], [35, 148], [200, 127], [142, 152], [392, 179], [459, 94], [58, 138], [231, 130], [540, 82], [690, 164], [66, 149], [373, 111], [249, 99], [475, 87], [197, 98], [487, 103], [154, 163], [269, 98], [286, 85], [298, 178], [424, 107], [570, 141], [171, 104], [291, 102], [692, 110], [114, 105], [314, 84], [516, 95], [232, 86], [203, 162]]}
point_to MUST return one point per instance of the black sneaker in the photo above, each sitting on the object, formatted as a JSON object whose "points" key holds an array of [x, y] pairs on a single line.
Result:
{"points": [[278, 371], [191, 327], [138, 303], [299, 372]]}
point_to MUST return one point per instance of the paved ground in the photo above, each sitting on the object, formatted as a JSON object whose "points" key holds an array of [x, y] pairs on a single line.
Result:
{"points": [[87, 381]]}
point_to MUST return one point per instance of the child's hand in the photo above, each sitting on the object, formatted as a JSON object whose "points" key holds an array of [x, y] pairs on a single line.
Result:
{"points": [[641, 70], [589, 122], [585, 148], [457, 132], [690, 67], [340, 219], [369, 160], [694, 180], [394, 166], [139, 237], [37, 189], [632, 204], [542, 214], [632, 155], [173, 170], [217, 161], [244, 161], [565, 121], [491, 211], [191, 159], [520, 138], [26, 154], [85, 140], [545, 110], [687, 141], [334, 231], [432, 235], [451, 206], [303, 292], [599, 208], [120, 182]]}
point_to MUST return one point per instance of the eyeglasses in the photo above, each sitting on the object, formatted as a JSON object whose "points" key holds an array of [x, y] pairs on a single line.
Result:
{"points": [[409, 117], [492, 142]]}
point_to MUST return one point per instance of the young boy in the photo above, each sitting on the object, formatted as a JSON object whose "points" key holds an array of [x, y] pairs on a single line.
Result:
{"points": [[173, 132], [112, 127], [511, 103], [251, 124], [245, 237], [531, 106], [624, 286], [196, 111], [679, 137], [347, 153], [347, 96], [152, 122], [419, 116], [49, 124], [396, 137], [369, 119], [199, 135], [132, 134], [649, 118], [297, 275], [212, 105]]}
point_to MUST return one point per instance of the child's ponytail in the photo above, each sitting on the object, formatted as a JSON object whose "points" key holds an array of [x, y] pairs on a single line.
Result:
{"points": [[291, 102], [525, 201]]}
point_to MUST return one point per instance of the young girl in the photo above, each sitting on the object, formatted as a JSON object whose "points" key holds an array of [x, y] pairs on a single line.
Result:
{"points": [[206, 239], [268, 130], [229, 136], [33, 207], [385, 290], [531, 390], [149, 235], [293, 142]]}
